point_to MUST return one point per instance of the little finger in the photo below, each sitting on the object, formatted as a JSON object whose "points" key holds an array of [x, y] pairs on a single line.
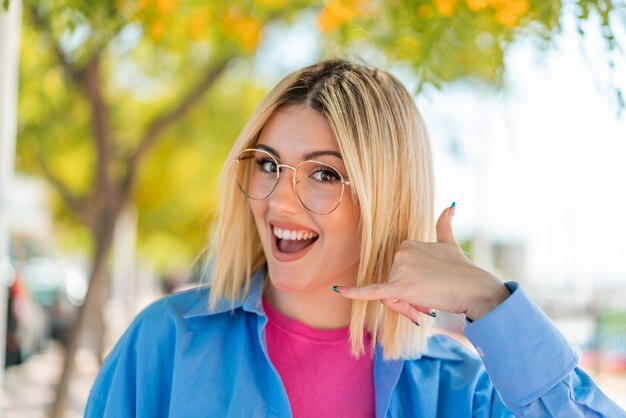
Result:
{"points": [[403, 308]]}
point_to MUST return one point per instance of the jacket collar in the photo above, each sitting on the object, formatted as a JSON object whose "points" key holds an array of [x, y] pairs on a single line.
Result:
{"points": [[250, 303], [253, 303]]}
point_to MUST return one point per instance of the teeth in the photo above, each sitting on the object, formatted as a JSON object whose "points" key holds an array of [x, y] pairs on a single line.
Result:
{"points": [[293, 235]]}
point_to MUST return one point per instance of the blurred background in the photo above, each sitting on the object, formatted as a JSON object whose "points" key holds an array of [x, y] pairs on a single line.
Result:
{"points": [[116, 117]]}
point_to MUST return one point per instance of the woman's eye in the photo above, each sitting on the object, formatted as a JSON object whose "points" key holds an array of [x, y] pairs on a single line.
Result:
{"points": [[326, 175], [266, 166]]}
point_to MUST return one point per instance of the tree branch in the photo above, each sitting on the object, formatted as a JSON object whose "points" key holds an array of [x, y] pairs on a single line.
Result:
{"points": [[77, 205], [75, 74], [160, 123], [100, 126], [89, 82]]}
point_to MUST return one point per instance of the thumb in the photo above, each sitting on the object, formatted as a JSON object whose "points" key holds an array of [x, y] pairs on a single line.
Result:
{"points": [[444, 226]]}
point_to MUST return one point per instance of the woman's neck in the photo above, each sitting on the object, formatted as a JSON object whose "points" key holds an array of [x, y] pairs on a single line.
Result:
{"points": [[320, 308]]}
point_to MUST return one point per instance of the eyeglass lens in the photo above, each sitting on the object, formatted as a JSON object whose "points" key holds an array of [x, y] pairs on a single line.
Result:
{"points": [[318, 185]]}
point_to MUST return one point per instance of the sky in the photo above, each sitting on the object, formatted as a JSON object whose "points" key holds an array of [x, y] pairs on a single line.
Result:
{"points": [[539, 163]]}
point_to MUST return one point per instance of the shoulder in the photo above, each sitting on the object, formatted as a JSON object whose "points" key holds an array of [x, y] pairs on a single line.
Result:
{"points": [[155, 331], [148, 355], [176, 305], [167, 316]]}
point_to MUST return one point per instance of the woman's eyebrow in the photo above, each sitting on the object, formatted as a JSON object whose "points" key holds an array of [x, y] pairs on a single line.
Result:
{"points": [[314, 154], [309, 156]]}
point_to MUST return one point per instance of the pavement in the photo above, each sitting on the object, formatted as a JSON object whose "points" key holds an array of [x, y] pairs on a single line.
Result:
{"points": [[29, 392]]}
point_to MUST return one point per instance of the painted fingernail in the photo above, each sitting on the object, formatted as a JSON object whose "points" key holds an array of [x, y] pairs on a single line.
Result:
{"points": [[339, 289], [416, 323], [432, 313], [452, 206]]}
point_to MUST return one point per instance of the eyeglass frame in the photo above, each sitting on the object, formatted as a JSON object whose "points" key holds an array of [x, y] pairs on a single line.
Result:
{"points": [[279, 165]]}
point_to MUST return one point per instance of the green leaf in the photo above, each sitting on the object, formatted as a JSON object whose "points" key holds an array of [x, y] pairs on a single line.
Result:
{"points": [[151, 52]]}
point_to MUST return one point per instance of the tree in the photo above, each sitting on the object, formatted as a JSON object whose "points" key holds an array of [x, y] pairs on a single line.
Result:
{"points": [[108, 87]]}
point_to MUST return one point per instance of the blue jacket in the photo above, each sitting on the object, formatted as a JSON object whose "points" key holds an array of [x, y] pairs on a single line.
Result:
{"points": [[178, 360]]}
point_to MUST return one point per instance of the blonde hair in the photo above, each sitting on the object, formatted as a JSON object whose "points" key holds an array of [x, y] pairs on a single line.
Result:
{"points": [[386, 150]]}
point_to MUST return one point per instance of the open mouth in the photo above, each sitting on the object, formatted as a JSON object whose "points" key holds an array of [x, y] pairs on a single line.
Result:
{"points": [[290, 242]]}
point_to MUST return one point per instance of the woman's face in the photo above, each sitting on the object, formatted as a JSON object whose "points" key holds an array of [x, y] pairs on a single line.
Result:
{"points": [[332, 257]]}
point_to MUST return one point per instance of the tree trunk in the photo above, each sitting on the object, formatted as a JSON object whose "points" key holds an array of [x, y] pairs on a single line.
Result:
{"points": [[101, 210], [91, 308]]}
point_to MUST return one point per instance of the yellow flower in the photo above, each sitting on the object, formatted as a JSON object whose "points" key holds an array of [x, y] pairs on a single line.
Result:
{"points": [[445, 7], [476, 5], [248, 33], [339, 12], [245, 30], [425, 11], [166, 6], [509, 12], [157, 29], [141, 4], [199, 23], [506, 18], [518, 7]]}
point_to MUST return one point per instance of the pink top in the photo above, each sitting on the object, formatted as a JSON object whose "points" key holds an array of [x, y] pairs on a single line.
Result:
{"points": [[321, 377]]}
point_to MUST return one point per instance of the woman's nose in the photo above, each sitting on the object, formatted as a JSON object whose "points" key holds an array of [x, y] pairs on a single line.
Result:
{"points": [[284, 198]]}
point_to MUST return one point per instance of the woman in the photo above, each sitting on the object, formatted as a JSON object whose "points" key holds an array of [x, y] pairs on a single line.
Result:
{"points": [[330, 188]]}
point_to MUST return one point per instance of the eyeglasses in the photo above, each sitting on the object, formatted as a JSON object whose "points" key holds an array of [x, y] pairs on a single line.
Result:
{"points": [[319, 186]]}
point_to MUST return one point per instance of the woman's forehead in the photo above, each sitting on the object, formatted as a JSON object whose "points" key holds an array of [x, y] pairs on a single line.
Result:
{"points": [[296, 132]]}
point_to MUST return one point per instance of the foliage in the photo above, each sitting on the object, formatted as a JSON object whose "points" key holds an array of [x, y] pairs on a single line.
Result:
{"points": [[152, 53], [137, 102], [448, 40]]}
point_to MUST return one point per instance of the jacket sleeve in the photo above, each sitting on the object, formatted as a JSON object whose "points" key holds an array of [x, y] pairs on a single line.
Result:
{"points": [[134, 379], [113, 393], [531, 364]]}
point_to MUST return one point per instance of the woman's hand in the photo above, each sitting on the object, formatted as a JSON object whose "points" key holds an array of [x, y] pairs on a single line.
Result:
{"points": [[434, 275]]}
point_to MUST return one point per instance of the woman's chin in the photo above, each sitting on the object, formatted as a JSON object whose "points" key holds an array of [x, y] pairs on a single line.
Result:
{"points": [[287, 282]]}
